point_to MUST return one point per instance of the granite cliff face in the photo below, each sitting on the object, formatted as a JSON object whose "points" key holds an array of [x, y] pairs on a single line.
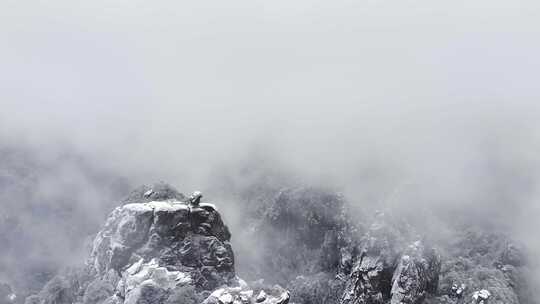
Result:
{"points": [[191, 240]]}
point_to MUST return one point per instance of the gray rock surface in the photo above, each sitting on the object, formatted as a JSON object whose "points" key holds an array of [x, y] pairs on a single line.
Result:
{"points": [[246, 295], [157, 248], [481, 296], [373, 268], [162, 236], [327, 259], [158, 243], [416, 274]]}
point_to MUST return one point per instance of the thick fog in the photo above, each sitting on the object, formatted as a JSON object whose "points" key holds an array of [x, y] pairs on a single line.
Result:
{"points": [[400, 104]]}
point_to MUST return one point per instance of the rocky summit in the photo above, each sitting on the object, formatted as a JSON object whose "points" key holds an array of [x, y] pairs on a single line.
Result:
{"points": [[191, 241], [160, 246]]}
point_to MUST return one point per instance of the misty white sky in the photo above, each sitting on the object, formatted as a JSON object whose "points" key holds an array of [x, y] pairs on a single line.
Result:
{"points": [[443, 92], [409, 103]]}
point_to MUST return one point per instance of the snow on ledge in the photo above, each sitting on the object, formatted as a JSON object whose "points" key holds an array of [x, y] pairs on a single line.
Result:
{"points": [[137, 207], [169, 206], [208, 205]]}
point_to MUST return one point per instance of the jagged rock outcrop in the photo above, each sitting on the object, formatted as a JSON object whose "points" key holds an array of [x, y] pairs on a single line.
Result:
{"points": [[481, 296], [325, 258], [303, 241], [381, 265], [416, 274], [369, 280], [155, 248], [188, 239]]}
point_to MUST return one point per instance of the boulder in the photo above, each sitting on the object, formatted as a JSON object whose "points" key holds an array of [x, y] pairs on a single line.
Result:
{"points": [[165, 238], [457, 290], [481, 296]]}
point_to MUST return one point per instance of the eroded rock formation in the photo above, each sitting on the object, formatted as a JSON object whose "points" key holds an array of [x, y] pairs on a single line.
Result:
{"points": [[157, 248]]}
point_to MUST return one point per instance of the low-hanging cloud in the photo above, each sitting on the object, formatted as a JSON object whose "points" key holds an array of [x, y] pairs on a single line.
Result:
{"points": [[394, 104]]}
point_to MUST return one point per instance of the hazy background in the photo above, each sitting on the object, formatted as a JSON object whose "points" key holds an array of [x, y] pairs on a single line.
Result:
{"points": [[396, 103]]}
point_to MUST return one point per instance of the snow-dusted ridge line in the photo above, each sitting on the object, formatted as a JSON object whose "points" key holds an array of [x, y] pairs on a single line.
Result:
{"points": [[168, 205]]}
